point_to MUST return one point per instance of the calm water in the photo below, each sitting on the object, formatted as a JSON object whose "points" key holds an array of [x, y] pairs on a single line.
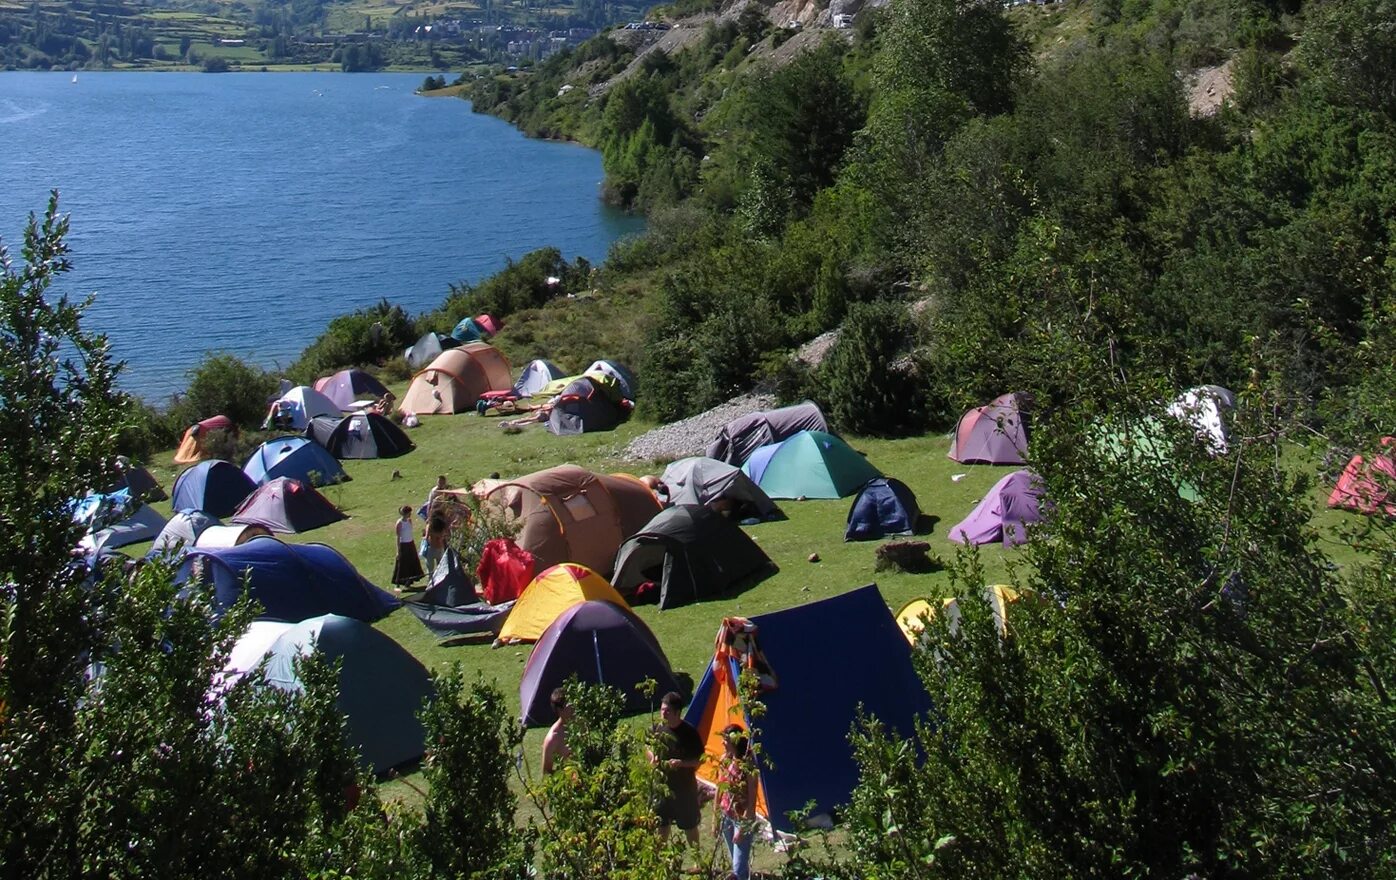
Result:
{"points": [[240, 212]]}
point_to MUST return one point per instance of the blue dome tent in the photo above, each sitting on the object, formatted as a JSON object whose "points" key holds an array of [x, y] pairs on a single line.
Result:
{"points": [[294, 457], [215, 487], [883, 507]]}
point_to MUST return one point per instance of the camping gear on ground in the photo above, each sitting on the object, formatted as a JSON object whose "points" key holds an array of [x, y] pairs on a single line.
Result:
{"points": [[688, 552], [454, 381], [567, 514], [819, 666], [596, 643], [449, 606], [1208, 409], [585, 406], [996, 433], [913, 615], [291, 581], [294, 457], [535, 375], [348, 386], [181, 532], [739, 438], [1366, 483], [288, 506], [128, 523], [229, 536], [625, 380], [139, 483], [426, 348], [382, 688], [216, 487], [700, 480], [505, 569], [192, 446], [551, 593], [1003, 514], [810, 464], [294, 409], [883, 507], [359, 435]]}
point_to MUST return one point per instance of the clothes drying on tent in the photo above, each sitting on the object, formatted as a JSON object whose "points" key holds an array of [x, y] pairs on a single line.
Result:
{"points": [[139, 483], [290, 581], [810, 464], [595, 643], [584, 407], [294, 457], [426, 349], [739, 438], [454, 381], [883, 507], [1366, 483], [347, 386], [701, 480], [822, 665], [505, 569], [181, 532], [567, 514], [192, 448], [294, 409], [288, 506], [382, 688], [216, 487], [549, 594], [996, 433], [535, 375], [1004, 513], [360, 435], [687, 552], [1208, 409]]}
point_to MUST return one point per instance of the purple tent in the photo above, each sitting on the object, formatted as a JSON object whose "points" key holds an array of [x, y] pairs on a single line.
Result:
{"points": [[600, 643], [1003, 514], [287, 505], [995, 433], [347, 386], [742, 436]]}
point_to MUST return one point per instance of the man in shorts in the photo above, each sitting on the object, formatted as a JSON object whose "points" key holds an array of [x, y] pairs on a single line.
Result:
{"points": [[679, 751]]}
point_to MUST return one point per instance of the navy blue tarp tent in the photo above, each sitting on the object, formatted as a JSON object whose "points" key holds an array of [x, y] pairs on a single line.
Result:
{"points": [[297, 458], [293, 582], [216, 487], [884, 506], [822, 662]]}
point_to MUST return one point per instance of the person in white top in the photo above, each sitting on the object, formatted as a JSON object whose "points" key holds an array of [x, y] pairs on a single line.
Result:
{"points": [[408, 568]]}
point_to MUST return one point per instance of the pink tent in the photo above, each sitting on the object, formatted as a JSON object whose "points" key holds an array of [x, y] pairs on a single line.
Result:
{"points": [[1003, 514], [488, 324], [995, 433], [1366, 484]]}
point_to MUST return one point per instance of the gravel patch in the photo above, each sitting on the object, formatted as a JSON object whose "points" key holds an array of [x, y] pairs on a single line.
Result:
{"points": [[692, 435], [812, 353]]}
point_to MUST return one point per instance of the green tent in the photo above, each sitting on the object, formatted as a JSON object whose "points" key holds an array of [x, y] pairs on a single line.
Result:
{"points": [[810, 464], [1146, 442]]}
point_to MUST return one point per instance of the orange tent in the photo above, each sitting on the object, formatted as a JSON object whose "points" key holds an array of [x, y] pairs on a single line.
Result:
{"points": [[550, 594], [191, 448], [456, 380]]}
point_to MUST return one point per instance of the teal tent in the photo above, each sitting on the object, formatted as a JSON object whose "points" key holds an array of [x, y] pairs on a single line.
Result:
{"points": [[810, 464]]}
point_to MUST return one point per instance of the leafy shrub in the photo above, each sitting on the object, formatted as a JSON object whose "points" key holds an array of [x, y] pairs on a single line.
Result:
{"points": [[361, 338], [867, 381], [224, 384]]}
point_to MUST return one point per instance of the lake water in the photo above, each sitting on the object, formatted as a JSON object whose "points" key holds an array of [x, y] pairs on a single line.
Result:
{"points": [[241, 212]]}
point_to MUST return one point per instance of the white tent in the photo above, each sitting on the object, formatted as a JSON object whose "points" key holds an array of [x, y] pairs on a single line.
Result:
{"points": [[298, 406], [1207, 409]]}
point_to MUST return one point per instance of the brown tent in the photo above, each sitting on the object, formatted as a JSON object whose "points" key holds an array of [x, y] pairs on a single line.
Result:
{"points": [[568, 514], [456, 379]]}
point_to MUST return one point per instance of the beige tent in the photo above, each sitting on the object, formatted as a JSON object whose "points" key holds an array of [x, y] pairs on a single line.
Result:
{"points": [[456, 379], [568, 514]]}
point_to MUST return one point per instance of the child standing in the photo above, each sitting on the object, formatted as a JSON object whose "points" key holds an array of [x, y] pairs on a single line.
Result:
{"points": [[407, 568]]}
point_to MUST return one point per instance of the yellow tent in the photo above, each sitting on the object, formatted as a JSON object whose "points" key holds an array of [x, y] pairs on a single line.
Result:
{"points": [[551, 593], [999, 597]]}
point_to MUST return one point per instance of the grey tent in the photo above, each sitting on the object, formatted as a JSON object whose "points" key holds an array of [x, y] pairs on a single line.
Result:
{"points": [[740, 437], [700, 480], [360, 435], [382, 688], [426, 348], [181, 532], [143, 524], [690, 553], [584, 407], [535, 376], [450, 608]]}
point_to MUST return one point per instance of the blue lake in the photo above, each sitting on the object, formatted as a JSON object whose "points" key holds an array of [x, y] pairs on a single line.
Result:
{"points": [[240, 212]]}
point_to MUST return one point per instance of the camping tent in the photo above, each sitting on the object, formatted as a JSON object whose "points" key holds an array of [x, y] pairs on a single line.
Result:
{"points": [[810, 464], [191, 447], [884, 506], [597, 643], [287, 505], [584, 406], [139, 483], [360, 435], [567, 514], [912, 616], [1207, 408], [535, 375], [740, 437], [551, 593], [216, 487], [1366, 484], [474, 329], [141, 524], [1003, 514], [456, 379], [229, 536], [181, 532], [294, 457], [700, 480], [292, 410], [426, 349], [382, 687], [623, 377], [996, 433], [691, 552], [820, 666], [450, 608], [291, 581], [348, 386]]}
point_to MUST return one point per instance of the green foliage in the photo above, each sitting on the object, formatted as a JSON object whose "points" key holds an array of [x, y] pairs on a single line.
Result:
{"points": [[869, 381], [224, 384], [519, 285], [367, 336]]}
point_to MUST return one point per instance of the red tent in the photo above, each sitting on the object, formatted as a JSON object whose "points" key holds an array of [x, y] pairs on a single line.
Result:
{"points": [[1366, 485], [505, 569]]}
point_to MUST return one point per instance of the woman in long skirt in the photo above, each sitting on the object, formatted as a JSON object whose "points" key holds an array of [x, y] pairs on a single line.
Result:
{"points": [[407, 568]]}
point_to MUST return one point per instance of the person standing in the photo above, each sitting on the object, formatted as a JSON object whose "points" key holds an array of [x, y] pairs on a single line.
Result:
{"points": [[407, 569], [555, 746], [680, 752], [434, 544], [735, 809]]}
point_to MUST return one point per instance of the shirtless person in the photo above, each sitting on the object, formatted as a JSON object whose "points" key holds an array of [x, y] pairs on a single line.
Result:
{"points": [[555, 747]]}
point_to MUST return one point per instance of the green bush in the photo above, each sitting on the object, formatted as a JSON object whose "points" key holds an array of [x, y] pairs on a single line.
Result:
{"points": [[362, 338], [869, 380], [224, 384]]}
